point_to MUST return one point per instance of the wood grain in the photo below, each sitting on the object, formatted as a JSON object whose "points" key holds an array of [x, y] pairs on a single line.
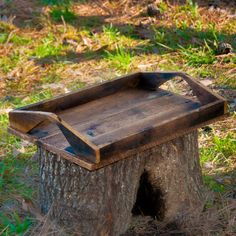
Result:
{"points": [[116, 117]]}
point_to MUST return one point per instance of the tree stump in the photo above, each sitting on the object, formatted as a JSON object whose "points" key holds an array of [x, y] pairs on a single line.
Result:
{"points": [[163, 182]]}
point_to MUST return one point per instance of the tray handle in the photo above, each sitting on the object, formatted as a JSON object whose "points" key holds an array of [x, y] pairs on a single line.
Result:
{"points": [[153, 80], [24, 121]]}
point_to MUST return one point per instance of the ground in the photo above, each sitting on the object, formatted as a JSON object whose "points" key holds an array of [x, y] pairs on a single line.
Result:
{"points": [[51, 47]]}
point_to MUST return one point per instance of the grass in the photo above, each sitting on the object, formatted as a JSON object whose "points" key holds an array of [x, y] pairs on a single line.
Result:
{"points": [[14, 102], [10, 175], [111, 32], [76, 84], [163, 7], [48, 47], [212, 184], [57, 2], [6, 27], [221, 151], [9, 63], [13, 224], [190, 8], [59, 14], [13, 38], [60, 10], [15, 164], [104, 43], [198, 56], [121, 59], [219, 155], [12, 169], [52, 78]]}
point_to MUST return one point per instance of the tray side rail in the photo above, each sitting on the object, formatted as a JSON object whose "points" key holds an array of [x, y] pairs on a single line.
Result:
{"points": [[153, 80], [162, 130], [85, 95], [212, 106], [24, 121]]}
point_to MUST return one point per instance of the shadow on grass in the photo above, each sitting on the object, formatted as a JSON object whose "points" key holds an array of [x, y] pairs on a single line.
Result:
{"points": [[198, 46], [223, 182], [208, 3], [159, 40], [27, 13], [70, 57]]}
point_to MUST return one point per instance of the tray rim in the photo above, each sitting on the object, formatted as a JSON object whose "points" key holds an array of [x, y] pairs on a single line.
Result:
{"points": [[208, 98], [115, 158]]}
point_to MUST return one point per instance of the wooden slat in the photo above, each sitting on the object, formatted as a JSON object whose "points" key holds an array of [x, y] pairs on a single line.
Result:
{"points": [[114, 158], [125, 117], [131, 129], [86, 95], [163, 116], [101, 108], [162, 128], [130, 116]]}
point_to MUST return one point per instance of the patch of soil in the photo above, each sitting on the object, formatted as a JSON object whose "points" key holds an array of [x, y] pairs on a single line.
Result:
{"points": [[209, 3], [23, 11]]}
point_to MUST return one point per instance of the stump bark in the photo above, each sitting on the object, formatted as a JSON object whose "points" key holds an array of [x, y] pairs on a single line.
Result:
{"points": [[164, 182]]}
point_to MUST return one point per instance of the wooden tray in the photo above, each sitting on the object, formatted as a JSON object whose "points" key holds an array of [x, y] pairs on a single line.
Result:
{"points": [[104, 123]]}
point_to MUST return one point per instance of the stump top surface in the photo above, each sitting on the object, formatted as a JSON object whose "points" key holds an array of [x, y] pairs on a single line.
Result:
{"points": [[106, 122]]}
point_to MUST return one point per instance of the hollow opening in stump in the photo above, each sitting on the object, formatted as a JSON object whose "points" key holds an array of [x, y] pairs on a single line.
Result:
{"points": [[149, 201]]}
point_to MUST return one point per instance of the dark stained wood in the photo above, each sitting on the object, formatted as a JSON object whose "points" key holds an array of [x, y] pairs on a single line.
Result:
{"points": [[153, 80], [24, 121], [181, 119], [133, 115], [60, 150], [83, 96], [123, 100], [111, 119]]}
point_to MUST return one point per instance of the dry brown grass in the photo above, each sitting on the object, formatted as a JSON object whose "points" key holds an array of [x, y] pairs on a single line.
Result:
{"points": [[216, 219]]}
